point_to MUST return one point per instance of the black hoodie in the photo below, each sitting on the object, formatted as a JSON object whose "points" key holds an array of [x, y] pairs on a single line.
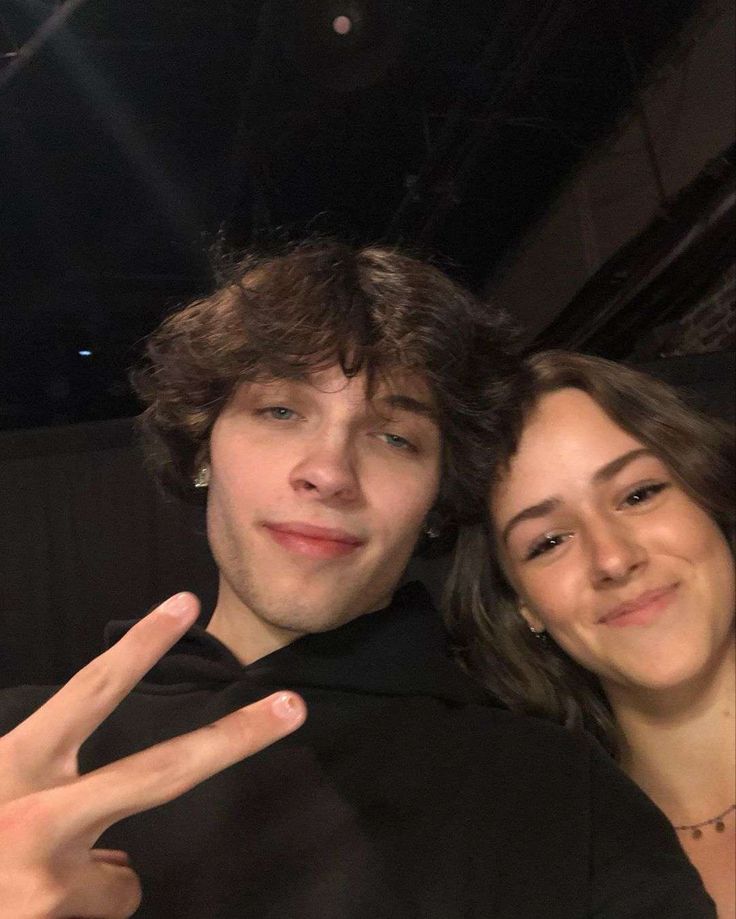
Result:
{"points": [[406, 795]]}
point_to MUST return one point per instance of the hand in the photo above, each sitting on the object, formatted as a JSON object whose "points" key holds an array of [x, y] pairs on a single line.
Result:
{"points": [[51, 817]]}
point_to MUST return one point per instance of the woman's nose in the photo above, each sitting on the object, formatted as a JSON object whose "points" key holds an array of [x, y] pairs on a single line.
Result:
{"points": [[616, 553]]}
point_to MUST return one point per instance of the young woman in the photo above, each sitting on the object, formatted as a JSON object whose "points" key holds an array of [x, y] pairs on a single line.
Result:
{"points": [[601, 592]]}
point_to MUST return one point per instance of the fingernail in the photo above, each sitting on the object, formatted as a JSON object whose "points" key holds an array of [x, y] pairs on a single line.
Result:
{"points": [[112, 857], [288, 707], [180, 606]]}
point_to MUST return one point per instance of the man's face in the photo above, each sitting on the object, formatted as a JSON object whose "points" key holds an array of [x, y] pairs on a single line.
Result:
{"points": [[317, 497]]}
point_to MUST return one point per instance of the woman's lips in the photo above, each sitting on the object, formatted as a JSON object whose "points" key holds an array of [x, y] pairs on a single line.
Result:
{"points": [[313, 541], [642, 610]]}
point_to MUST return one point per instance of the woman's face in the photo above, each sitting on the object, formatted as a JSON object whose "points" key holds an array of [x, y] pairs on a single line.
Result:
{"points": [[608, 553]]}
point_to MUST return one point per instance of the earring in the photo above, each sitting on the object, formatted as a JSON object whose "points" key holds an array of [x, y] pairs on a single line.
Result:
{"points": [[539, 634], [433, 525], [202, 476]]}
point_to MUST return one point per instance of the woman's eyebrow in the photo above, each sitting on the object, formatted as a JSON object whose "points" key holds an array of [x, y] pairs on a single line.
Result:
{"points": [[607, 472], [530, 513]]}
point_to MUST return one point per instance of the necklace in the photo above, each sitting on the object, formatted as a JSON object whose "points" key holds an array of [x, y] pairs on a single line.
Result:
{"points": [[695, 829]]}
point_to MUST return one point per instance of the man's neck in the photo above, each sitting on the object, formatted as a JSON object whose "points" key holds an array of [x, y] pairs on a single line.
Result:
{"points": [[247, 636]]}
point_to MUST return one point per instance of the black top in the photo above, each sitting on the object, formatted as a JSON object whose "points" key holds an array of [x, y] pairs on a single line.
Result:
{"points": [[406, 795]]}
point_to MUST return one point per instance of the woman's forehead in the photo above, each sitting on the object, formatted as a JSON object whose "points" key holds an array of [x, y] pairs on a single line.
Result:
{"points": [[567, 437]]}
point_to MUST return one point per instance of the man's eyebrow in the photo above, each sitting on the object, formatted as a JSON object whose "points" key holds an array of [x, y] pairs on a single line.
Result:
{"points": [[604, 474], [409, 404]]}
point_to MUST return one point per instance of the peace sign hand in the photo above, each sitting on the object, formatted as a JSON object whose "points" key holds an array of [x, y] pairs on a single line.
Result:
{"points": [[51, 817]]}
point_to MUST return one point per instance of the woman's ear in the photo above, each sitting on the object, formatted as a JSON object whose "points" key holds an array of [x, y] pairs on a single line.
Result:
{"points": [[532, 620]]}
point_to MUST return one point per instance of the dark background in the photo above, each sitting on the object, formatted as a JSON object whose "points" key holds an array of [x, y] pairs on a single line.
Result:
{"points": [[144, 133]]}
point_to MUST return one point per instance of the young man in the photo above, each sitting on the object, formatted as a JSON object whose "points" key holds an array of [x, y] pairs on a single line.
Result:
{"points": [[330, 403]]}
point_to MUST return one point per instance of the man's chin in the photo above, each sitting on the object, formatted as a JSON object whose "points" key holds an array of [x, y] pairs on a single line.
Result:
{"points": [[312, 618]]}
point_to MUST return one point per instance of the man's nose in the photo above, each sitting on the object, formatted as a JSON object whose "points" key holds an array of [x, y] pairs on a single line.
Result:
{"points": [[615, 552], [328, 469]]}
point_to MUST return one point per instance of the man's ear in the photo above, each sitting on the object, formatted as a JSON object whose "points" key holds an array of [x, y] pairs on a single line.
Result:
{"points": [[530, 617]]}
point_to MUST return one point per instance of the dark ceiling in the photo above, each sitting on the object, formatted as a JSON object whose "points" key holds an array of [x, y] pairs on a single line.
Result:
{"points": [[145, 131]]}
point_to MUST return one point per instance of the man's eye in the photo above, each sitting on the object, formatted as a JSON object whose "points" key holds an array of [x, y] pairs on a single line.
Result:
{"points": [[398, 442], [546, 544], [644, 493], [278, 412]]}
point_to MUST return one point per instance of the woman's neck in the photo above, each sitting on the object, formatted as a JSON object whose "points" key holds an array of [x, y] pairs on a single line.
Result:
{"points": [[679, 745]]}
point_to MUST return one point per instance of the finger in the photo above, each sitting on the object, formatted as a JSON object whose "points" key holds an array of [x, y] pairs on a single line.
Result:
{"points": [[60, 726], [165, 771], [102, 891]]}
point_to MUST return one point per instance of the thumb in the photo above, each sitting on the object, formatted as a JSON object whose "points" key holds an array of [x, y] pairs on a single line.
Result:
{"points": [[102, 889]]}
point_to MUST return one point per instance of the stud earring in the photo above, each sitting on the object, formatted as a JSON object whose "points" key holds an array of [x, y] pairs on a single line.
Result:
{"points": [[539, 634], [202, 476], [433, 525]]}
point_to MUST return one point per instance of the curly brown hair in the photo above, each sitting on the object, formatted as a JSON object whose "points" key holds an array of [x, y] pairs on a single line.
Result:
{"points": [[321, 303], [491, 638]]}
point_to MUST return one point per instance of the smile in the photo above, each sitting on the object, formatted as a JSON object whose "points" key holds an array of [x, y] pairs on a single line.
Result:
{"points": [[312, 541], [642, 610]]}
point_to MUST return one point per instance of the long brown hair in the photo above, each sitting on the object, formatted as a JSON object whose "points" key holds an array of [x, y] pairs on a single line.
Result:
{"points": [[321, 303], [491, 638]]}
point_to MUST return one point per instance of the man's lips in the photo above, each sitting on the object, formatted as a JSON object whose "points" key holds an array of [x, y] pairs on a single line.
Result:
{"points": [[314, 541], [642, 609]]}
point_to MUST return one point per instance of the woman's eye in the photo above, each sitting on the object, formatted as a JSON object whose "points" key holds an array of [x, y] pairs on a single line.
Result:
{"points": [[545, 545], [644, 493], [277, 412]]}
